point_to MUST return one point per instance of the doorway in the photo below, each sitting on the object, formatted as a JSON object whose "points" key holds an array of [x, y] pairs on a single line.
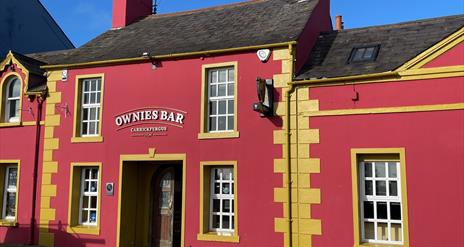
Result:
{"points": [[151, 204]]}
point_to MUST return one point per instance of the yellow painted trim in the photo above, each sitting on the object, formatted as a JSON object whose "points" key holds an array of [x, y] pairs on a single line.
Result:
{"points": [[11, 59], [385, 110], [204, 233], [432, 73], [31, 123], [152, 156], [80, 229], [357, 155], [18, 163], [164, 57], [28, 123], [2, 92], [434, 51], [87, 139], [76, 138], [204, 134]]}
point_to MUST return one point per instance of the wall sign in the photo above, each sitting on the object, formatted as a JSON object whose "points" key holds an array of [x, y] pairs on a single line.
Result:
{"points": [[150, 121]]}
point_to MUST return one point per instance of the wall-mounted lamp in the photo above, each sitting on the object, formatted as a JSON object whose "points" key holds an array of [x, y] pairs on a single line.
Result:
{"points": [[265, 90]]}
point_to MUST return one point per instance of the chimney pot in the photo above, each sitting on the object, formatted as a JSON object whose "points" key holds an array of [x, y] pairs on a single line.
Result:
{"points": [[339, 23]]}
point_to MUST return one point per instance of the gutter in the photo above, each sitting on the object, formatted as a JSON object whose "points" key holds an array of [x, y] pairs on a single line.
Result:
{"points": [[163, 57], [374, 76]]}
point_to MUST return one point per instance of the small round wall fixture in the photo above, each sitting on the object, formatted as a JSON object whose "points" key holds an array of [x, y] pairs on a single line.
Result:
{"points": [[263, 55]]}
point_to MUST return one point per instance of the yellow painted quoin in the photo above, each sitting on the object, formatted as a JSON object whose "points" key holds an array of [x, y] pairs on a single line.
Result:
{"points": [[50, 165], [297, 196]]}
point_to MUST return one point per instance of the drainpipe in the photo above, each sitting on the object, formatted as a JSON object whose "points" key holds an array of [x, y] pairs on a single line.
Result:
{"points": [[288, 94], [36, 167]]}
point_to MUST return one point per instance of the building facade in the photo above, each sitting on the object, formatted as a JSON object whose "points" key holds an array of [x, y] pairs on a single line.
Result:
{"points": [[188, 130]]}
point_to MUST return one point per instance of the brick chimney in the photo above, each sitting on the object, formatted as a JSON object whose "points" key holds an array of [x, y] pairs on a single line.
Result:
{"points": [[126, 12], [339, 23]]}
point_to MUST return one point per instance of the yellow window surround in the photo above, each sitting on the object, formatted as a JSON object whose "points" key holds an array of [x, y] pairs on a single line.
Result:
{"points": [[77, 138], [74, 199], [3, 165], [3, 101], [378, 154], [205, 191], [204, 133]]}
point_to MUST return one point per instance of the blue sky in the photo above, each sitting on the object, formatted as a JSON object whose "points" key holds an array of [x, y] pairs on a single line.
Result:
{"points": [[83, 20]]}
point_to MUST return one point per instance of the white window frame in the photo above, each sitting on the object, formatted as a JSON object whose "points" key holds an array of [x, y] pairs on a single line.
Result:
{"points": [[89, 194], [228, 99], [222, 197], [387, 198], [96, 106], [9, 189], [10, 99]]}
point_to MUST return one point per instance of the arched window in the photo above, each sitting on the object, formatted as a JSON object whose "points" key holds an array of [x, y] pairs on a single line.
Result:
{"points": [[12, 95]]}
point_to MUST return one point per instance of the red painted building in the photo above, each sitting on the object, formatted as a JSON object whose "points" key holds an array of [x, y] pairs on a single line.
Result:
{"points": [[149, 135]]}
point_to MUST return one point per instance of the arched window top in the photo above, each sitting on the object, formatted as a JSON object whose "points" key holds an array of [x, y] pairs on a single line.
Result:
{"points": [[13, 87], [11, 100]]}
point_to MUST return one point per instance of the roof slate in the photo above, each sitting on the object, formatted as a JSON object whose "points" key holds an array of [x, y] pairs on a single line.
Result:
{"points": [[399, 43], [251, 23]]}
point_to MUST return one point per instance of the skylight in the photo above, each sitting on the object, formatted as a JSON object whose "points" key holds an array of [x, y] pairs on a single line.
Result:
{"points": [[364, 54]]}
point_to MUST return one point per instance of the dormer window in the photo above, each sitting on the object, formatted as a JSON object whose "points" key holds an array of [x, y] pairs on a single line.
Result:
{"points": [[11, 95], [364, 54]]}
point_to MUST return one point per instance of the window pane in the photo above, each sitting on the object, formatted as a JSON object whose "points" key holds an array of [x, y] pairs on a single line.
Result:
{"points": [[93, 187], [222, 90], [230, 106], [213, 90], [230, 123], [380, 188], [225, 222], [222, 123], [86, 98], [93, 115], [84, 216], [396, 232], [392, 169], [164, 199], [94, 173], [14, 90], [395, 210], [393, 187], [85, 130], [368, 210], [213, 107], [230, 89], [93, 216], [214, 76], [369, 52], [226, 174], [368, 187], [86, 85], [86, 173], [382, 231], [85, 114], [85, 202], [381, 210], [231, 74], [12, 176], [14, 107], [215, 221], [380, 169], [225, 206], [217, 174], [369, 230], [222, 107], [98, 98], [93, 98], [216, 205], [217, 188], [233, 223], [93, 202], [222, 75], [212, 123], [99, 85], [225, 188], [11, 204], [368, 169], [358, 54], [93, 85]]}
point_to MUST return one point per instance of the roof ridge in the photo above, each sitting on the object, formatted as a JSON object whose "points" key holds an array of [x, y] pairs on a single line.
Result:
{"points": [[211, 8], [401, 23]]}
